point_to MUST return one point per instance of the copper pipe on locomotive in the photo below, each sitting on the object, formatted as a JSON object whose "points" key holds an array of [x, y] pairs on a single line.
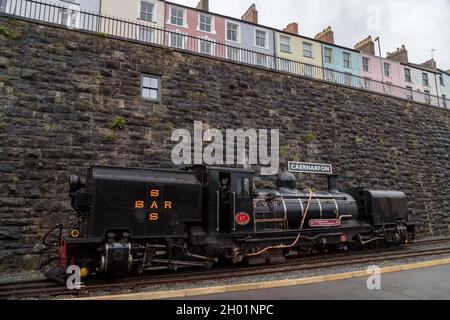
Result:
{"points": [[282, 246]]}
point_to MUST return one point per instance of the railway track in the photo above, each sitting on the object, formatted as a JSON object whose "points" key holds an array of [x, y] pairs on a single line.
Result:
{"points": [[47, 289]]}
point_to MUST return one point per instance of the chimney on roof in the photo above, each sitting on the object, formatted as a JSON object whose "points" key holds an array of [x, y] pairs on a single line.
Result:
{"points": [[251, 15], [367, 45], [430, 64], [327, 35], [401, 55], [203, 5], [292, 28]]}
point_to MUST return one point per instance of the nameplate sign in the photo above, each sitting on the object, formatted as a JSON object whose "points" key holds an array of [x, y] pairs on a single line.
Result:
{"points": [[304, 167]]}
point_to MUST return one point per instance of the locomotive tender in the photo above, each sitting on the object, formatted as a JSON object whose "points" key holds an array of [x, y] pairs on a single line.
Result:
{"points": [[137, 220]]}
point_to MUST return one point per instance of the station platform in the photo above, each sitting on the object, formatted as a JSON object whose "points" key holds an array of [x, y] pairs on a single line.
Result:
{"points": [[431, 283]]}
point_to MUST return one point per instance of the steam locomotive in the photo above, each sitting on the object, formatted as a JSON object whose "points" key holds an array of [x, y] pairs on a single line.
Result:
{"points": [[140, 220]]}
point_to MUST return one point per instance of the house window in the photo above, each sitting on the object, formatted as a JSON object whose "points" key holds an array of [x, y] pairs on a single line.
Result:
{"points": [[285, 44], [347, 60], [409, 93], [3, 5], [367, 83], [328, 55], [387, 70], [177, 40], [261, 60], [425, 80], [329, 75], [205, 22], [308, 70], [284, 65], [232, 32], [407, 75], [427, 97], [366, 62], [261, 38], [441, 80], [233, 53], [348, 79], [147, 11], [388, 87], [146, 34], [444, 100], [177, 16], [307, 50], [206, 47], [150, 87]]}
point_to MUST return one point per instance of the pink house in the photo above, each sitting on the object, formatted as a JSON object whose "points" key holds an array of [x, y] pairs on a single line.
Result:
{"points": [[375, 70], [185, 23], [382, 70]]}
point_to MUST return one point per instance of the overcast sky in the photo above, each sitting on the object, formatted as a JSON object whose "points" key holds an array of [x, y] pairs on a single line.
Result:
{"points": [[422, 25]]}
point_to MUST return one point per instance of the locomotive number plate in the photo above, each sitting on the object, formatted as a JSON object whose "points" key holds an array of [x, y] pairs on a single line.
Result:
{"points": [[242, 218]]}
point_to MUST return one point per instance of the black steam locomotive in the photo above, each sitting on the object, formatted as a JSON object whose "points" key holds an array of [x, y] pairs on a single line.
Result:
{"points": [[137, 220]]}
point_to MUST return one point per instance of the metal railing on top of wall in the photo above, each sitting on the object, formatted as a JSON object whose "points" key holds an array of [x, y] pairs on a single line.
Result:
{"points": [[73, 18]]}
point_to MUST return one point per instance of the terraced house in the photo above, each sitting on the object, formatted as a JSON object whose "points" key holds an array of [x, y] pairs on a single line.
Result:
{"points": [[336, 58], [444, 88], [147, 17], [249, 42], [195, 29], [298, 54], [375, 69]]}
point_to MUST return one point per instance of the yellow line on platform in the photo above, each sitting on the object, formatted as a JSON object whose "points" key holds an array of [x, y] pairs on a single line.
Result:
{"points": [[183, 293]]}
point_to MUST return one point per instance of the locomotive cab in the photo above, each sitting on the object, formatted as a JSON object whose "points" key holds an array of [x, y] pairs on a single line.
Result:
{"points": [[228, 204]]}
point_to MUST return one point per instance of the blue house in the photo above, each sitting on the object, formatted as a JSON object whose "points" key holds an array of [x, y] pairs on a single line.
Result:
{"points": [[343, 60]]}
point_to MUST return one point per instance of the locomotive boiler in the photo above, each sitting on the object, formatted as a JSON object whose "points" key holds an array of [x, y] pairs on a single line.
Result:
{"points": [[137, 220]]}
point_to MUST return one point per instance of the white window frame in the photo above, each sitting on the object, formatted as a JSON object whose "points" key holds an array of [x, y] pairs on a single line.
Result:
{"points": [[230, 56], [367, 83], [169, 21], [423, 80], [213, 23], [389, 70], [3, 8], [143, 29], [409, 93], [264, 57], [158, 88], [427, 96], [444, 100], [325, 49], [344, 54], [178, 33], [348, 79], [289, 43], [154, 13], [410, 75], [308, 70], [212, 42], [238, 32], [329, 75], [266, 42], [368, 64], [303, 49], [285, 65]]}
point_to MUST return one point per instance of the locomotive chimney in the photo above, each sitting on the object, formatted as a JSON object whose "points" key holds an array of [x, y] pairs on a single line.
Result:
{"points": [[332, 183]]}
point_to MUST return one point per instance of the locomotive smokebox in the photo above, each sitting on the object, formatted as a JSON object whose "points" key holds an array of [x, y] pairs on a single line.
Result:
{"points": [[332, 184]]}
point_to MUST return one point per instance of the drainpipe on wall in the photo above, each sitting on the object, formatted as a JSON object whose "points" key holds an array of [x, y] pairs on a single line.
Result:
{"points": [[274, 49], [437, 89]]}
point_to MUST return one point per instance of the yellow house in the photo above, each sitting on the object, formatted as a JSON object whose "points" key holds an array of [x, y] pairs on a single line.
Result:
{"points": [[298, 54], [141, 14]]}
